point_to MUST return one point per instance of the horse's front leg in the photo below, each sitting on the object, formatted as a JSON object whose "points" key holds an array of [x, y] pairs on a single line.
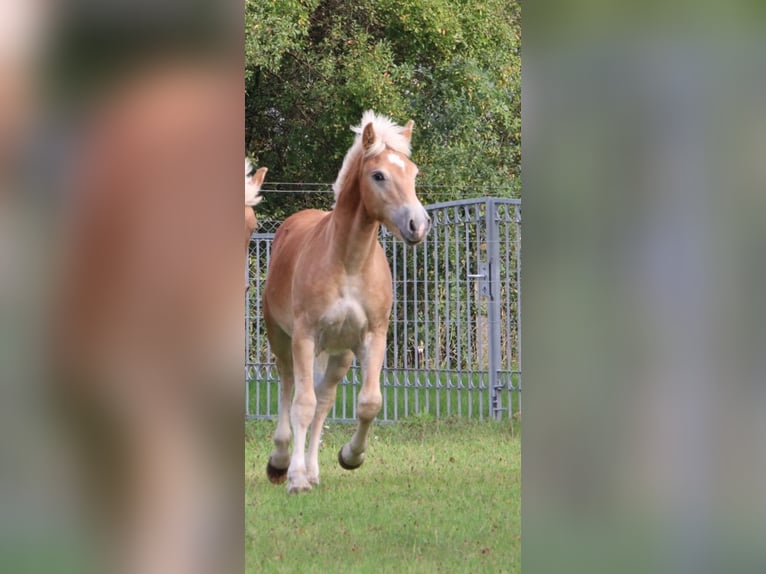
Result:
{"points": [[302, 410], [370, 355]]}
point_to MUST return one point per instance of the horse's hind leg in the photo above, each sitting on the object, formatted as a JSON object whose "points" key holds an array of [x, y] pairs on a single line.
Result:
{"points": [[337, 367], [351, 456], [279, 461]]}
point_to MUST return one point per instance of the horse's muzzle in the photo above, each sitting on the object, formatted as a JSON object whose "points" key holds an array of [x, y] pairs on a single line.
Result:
{"points": [[413, 223]]}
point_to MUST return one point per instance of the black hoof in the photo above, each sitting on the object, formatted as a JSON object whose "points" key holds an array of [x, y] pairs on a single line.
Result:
{"points": [[276, 475], [343, 464]]}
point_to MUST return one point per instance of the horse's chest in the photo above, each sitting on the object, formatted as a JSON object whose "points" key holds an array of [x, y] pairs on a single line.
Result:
{"points": [[342, 325]]}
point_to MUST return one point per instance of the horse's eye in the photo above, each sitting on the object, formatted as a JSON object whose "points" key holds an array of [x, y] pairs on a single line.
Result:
{"points": [[377, 176]]}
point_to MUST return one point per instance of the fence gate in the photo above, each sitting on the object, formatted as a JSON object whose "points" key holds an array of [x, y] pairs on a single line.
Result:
{"points": [[454, 345]]}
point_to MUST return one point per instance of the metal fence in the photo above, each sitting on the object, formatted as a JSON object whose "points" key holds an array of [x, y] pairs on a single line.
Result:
{"points": [[454, 344]]}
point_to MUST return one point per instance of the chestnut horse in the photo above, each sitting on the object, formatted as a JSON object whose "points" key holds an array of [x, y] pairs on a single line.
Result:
{"points": [[328, 296], [253, 183]]}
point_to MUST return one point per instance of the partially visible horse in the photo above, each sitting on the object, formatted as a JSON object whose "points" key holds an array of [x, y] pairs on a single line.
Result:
{"points": [[253, 182], [147, 340], [328, 296]]}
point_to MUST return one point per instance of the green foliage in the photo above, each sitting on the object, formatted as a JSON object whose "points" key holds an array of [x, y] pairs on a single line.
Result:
{"points": [[271, 28], [313, 67]]}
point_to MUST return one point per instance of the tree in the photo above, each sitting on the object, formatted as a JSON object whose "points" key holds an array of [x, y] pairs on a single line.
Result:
{"points": [[313, 67]]}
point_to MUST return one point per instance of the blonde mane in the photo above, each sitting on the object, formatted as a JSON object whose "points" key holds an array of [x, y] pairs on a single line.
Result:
{"points": [[387, 134]]}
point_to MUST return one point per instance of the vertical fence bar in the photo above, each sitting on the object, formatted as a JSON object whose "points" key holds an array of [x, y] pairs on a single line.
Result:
{"points": [[470, 324], [493, 311], [508, 289], [395, 323], [508, 309], [247, 318], [452, 289], [423, 345], [517, 213], [416, 303]]}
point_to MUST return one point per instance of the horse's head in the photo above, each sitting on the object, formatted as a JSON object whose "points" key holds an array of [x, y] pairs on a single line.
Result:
{"points": [[387, 178], [253, 182]]}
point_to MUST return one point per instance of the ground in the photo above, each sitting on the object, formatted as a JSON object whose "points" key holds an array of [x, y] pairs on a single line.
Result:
{"points": [[432, 496]]}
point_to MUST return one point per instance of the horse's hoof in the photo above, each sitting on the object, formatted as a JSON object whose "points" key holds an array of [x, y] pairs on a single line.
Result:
{"points": [[297, 487], [276, 475], [343, 464]]}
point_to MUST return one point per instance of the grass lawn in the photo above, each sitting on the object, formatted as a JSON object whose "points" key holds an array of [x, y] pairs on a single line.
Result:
{"points": [[434, 495]]}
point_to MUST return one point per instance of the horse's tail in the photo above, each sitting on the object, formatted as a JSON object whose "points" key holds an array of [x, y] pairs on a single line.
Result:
{"points": [[320, 367]]}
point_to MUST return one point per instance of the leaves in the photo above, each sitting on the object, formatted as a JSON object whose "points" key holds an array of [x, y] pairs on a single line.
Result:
{"points": [[453, 66]]}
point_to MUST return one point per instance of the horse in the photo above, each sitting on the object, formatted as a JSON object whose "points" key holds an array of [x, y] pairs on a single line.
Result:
{"points": [[253, 182], [328, 296]]}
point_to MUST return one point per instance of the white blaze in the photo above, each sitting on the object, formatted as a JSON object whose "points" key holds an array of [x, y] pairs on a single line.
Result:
{"points": [[396, 160]]}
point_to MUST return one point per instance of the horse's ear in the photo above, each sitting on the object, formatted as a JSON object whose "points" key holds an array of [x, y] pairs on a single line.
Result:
{"points": [[368, 136], [259, 176], [407, 131]]}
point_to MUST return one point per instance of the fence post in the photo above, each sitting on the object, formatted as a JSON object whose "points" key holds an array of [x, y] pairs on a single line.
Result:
{"points": [[493, 304]]}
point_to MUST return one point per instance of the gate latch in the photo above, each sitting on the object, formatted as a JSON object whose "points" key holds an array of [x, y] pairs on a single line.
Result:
{"points": [[483, 276]]}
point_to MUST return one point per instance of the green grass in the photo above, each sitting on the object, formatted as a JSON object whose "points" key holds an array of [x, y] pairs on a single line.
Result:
{"points": [[432, 496]]}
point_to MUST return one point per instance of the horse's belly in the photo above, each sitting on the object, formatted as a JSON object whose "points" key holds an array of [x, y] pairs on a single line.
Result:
{"points": [[341, 327]]}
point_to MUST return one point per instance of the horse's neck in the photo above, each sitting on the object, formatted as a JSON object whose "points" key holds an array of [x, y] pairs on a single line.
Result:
{"points": [[354, 234], [250, 220], [250, 224]]}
